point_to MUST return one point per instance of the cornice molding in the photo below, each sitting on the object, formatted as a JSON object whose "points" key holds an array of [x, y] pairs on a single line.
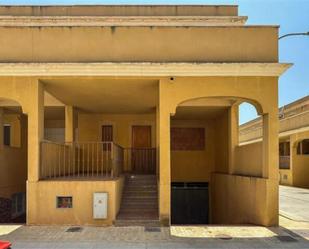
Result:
{"points": [[143, 69], [94, 21]]}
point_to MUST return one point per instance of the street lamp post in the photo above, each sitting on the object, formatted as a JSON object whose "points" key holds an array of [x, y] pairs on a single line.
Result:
{"points": [[294, 34]]}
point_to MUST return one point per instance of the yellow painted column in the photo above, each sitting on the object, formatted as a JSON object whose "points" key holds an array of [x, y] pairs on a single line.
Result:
{"points": [[1, 128], [293, 153], [164, 167], [233, 135], [163, 120], [35, 129], [270, 146], [271, 166], [69, 123]]}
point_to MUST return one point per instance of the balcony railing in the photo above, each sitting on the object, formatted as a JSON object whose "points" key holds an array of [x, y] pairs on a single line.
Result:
{"points": [[284, 162], [141, 160], [80, 160]]}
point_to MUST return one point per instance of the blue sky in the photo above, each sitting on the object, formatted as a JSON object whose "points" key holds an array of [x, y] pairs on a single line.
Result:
{"points": [[291, 15]]}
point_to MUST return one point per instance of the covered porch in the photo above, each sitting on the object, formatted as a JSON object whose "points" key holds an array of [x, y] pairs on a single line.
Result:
{"points": [[77, 156], [100, 128]]}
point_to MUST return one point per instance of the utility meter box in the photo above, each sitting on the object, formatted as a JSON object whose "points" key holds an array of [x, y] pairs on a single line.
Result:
{"points": [[100, 205]]}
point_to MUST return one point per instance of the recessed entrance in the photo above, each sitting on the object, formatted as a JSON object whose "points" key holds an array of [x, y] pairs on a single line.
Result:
{"points": [[199, 138], [202, 134], [13, 166]]}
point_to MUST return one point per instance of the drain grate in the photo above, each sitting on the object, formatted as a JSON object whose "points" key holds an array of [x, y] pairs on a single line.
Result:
{"points": [[74, 229], [285, 238], [153, 229]]}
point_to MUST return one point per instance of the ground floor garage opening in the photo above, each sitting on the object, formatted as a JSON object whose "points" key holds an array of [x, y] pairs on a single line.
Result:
{"points": [[199, 144], [190, 203], [13, 167], [209, 169]]}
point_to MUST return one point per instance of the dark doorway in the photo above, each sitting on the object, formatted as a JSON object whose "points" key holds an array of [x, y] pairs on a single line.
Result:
{"points": [[7, 135], [189, 203]]}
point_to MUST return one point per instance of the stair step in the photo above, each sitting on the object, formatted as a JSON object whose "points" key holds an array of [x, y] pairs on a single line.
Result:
{"points": [[130, 216], [143, 190], [138, 210], [140, 198], [141, 194], [139, 204], [125, 223]]}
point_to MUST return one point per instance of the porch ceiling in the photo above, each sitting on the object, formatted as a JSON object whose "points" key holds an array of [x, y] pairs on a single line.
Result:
{"points": [[106, 95]]}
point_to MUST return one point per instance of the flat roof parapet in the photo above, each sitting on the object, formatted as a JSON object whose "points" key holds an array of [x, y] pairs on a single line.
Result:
{"points": [[120, 10]]}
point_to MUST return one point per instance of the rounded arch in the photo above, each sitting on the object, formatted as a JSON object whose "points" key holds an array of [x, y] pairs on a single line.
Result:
{"points": [[301, 146], [232, 99], [11, 103]]}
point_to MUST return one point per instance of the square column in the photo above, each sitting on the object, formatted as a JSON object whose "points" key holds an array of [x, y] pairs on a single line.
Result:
{"points": [[35, 129], [69, 123], [164, 166], [270, 146], [233, 135], [1, 128]]}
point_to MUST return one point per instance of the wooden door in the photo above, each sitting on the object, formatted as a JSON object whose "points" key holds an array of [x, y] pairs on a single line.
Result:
{"points": [[142, 155], [107, 136]]}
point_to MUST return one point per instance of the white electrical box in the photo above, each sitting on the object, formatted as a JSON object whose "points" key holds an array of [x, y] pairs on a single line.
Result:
{"points": [[100, 205]]}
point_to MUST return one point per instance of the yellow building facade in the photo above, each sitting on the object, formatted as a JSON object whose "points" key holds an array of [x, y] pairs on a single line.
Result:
{"points": [[108, 96], [293, 141]]}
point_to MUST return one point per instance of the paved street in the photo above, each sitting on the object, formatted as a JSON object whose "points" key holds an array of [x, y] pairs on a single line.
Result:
{"points": [[292, 233], [294, 203]]}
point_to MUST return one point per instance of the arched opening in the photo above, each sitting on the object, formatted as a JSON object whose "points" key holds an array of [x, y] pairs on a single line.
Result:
{"points": [[303, 147], [250, 141], [13, 158], [204, 142]]}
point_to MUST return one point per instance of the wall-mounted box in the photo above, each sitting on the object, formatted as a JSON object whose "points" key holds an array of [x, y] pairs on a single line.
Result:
{"points": [[100, 205]]}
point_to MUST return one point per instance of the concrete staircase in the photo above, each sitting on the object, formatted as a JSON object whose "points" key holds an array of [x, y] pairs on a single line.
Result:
{"points": [[139, 206]]}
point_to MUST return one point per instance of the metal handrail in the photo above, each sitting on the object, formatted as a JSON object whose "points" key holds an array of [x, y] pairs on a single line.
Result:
{"points": [[80, 159]]}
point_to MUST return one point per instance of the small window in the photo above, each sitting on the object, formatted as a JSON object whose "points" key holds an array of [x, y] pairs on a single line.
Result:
{"points": [[64, 202], [7, 135]]}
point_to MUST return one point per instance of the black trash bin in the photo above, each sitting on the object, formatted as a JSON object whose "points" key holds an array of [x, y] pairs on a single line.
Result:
{"points": [[189, 203]]}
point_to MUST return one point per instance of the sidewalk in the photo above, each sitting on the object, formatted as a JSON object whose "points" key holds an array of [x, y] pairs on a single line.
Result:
{"points": [[290, 235]]}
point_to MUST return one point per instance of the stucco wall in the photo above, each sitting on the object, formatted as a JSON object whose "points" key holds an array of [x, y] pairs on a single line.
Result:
{"points": [[299, 163], [249, 159], [42, 201], [286, 177], [90, 126], [193, 166], [221, 144], [123, 44], [244, 200], [301, 171], [14, 121], [121, 10]]}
